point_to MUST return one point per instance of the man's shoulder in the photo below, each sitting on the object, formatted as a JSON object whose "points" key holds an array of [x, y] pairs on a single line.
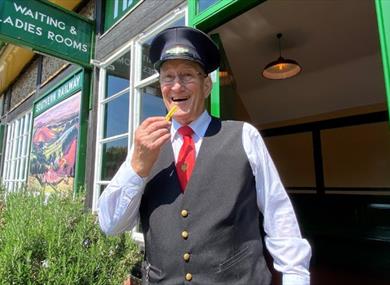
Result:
{"points": [[245, 127], [228, 122], [235, 123]]}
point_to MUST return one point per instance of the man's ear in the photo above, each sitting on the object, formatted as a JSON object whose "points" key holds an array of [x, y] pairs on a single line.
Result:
{"points": [[208, 85]]}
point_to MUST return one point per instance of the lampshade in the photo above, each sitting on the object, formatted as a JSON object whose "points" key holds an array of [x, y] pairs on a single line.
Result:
{"points": [[281, 68], [225, 78]]}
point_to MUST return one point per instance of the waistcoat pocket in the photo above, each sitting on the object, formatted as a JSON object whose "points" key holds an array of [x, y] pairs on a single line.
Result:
{"points": [[232, 260], [151, 274]]}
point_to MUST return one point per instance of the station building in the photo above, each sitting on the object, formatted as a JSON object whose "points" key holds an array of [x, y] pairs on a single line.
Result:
{"points": [[70, 102]]}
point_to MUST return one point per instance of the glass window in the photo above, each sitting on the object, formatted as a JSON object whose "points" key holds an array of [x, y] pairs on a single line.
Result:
{"points": [[16, 152], [118, 74], [101, 188], [116, 117], [147, 68], [151, 101], [116, 105], [115, 84], [113, 155], [127, 102], [204, 4], [113, 140], [113, 128]]}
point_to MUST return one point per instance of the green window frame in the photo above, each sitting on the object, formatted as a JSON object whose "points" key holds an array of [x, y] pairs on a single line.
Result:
{"points": [[383, 18], [115, 10], [218, 13]]}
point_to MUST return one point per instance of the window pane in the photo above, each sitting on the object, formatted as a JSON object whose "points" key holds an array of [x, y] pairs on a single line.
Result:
{"points": [[116, 119], [204, 4], [101, 189], [152, 103], [357, 156], [15, 163], [114, 153], [118, 74], [147, 67]]}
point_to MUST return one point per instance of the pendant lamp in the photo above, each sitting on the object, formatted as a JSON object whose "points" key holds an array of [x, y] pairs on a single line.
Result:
{"points": [[281, 68]]}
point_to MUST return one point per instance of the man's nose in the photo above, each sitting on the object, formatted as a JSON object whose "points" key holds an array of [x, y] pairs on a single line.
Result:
{"points": [[177, 83]]}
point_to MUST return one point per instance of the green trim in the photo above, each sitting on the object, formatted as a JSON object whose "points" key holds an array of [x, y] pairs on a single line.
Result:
{"points": [[192, 10], [30, 146], [79, 181], [215, 106], [58, 84], [93, 79], [59, 93], [109, 20], [217, 14], [383, 17]]}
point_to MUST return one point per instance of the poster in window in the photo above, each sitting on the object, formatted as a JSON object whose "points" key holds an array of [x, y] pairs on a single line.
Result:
{"points": [[54, 146]]}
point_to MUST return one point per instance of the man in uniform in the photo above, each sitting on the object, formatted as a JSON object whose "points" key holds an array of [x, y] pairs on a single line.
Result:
{"points": [[200, 185]]}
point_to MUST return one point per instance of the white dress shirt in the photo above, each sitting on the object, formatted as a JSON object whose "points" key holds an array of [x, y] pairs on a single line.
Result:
{"points": [[120, 201]]}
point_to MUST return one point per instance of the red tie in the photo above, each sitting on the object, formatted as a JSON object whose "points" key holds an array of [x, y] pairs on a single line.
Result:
{"points": [[186, 161]]}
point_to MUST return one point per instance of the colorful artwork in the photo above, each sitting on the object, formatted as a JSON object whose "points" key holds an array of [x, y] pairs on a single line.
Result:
{"points": [[54, 145]]}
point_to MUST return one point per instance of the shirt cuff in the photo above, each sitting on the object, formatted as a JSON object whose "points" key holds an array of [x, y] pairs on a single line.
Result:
{"points": [[294, 279], [128, 176]]}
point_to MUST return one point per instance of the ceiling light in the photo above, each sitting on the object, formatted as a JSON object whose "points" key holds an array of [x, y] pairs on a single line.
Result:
{"points": [[281, 68]]}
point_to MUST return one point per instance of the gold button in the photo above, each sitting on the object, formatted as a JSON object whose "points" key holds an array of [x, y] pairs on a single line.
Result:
{"points": [[184, 213], [186, 256], [188, 276], [184, 234]]}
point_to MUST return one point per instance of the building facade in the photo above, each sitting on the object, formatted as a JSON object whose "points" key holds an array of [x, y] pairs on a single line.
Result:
{"points": [[68, 125]]}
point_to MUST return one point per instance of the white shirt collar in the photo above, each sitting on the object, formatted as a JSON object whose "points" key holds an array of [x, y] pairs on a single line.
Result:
{"points": [[199, 126]]}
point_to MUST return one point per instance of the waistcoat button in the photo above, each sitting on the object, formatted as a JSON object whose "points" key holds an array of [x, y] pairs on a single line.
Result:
{"points": [[188, 276], [184, 234], [184, 213], [186, 257]]}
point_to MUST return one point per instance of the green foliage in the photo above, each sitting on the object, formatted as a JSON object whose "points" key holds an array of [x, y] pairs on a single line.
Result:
{"points": [[57, 241]]}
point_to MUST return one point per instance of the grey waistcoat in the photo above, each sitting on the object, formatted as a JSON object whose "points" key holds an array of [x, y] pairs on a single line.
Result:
{"points": [[224, 241]]}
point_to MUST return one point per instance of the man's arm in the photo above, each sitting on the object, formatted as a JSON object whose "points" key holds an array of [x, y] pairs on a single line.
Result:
{"points": [[120, 201], [291, 253]]}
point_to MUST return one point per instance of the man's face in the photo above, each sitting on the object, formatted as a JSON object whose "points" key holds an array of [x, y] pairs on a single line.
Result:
{"points": [[184, 83]]}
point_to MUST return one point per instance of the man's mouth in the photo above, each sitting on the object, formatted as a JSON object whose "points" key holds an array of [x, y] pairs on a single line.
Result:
{"points": [[179, 99]]}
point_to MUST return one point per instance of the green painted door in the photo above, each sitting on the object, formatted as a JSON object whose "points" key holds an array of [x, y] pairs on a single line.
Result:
{"points": [[208, 15]]}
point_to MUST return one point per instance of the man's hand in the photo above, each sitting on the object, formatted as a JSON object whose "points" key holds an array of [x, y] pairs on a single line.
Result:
{"points": [[149, 137]]}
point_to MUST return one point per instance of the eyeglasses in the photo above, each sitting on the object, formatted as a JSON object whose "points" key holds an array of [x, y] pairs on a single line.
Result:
{"points": [[184, 78]]}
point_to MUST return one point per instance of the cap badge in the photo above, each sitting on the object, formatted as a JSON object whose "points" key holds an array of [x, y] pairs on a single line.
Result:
{"points": [[177, 50]]}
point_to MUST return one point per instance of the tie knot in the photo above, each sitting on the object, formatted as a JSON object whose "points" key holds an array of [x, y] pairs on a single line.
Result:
{"points": [[186, 131]]}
